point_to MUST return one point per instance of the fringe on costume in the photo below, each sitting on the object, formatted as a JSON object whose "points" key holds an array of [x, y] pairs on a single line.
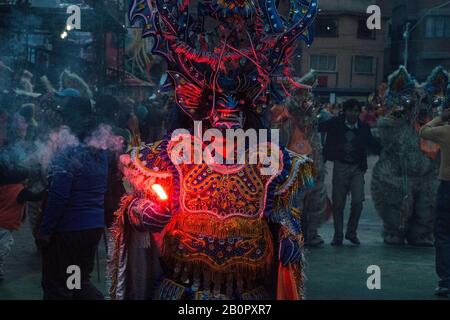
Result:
{"points": [[117, 232]]}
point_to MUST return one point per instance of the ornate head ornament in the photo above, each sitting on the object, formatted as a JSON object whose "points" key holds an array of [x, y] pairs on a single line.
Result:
{"points": [[436, 88], [222, 58], [447, 98], [401, 91]]}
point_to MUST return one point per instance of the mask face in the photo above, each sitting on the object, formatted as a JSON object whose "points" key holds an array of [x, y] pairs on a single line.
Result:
{"points": [[437, 101], [403, 106], [227, 114], [436, 88], [406, 102]]}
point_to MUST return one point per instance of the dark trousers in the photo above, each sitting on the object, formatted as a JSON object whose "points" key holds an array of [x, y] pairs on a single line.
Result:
{"points": [[66, 249], [347, 178], [442, 234]]}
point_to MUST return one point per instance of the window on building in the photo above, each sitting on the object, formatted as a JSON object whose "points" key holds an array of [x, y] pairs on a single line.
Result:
{"points": [[31, 55], [438, 27], [322, 81], [326, 27], [364, 65], [323, 62], [364, 32]]}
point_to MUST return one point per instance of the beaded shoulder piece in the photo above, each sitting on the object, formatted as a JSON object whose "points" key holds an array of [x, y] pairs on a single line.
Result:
{"points": [[296, 177], [148, 165]]}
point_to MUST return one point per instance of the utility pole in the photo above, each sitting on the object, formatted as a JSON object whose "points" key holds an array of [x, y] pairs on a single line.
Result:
{"points": [[409, 29], [406, 35]]}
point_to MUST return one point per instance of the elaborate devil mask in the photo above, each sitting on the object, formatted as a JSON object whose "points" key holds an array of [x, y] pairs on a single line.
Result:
{"points": [[222, 57]]}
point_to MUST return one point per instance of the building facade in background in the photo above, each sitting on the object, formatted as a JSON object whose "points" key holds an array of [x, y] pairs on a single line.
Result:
{"points": [[348, 57], [429, 35]]}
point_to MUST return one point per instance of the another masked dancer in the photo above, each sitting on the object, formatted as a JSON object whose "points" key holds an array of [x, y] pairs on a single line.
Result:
{"points": [[297, 120], [403, 182]]}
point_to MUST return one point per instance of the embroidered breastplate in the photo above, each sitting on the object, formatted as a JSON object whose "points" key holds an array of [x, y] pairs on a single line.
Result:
{"points": [[225, 194], [219, 229]]}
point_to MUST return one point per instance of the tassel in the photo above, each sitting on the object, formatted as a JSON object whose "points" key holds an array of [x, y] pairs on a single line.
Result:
{"points": [[217, 284], [196, 282], [177, 270], [207, 281], [185, 274], [142, 240], [287, 285], [229, 284], [239, 284]]}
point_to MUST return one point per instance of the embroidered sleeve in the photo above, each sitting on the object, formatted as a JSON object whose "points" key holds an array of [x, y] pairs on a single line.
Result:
{"points": [[295, 179], [148, 172], [150, 180]]}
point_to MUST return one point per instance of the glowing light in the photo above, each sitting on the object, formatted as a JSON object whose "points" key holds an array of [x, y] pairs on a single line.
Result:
{"points": [[64, 35], [158, 189], [68, 27]]}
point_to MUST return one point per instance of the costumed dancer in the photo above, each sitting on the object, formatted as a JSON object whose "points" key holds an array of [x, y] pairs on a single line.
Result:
{"points": [[403, 182], [209, 230], [298, 119]]}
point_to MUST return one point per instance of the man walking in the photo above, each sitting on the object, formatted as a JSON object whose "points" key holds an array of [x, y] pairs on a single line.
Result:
{"points": [[346, 145], [438, 131]]}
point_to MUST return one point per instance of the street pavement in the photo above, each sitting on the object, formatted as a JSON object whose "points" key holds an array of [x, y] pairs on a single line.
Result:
{"points": [[332, 272], [340, 273]]}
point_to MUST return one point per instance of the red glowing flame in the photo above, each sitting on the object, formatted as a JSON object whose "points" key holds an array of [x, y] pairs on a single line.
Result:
{"points": [[158, 189]]}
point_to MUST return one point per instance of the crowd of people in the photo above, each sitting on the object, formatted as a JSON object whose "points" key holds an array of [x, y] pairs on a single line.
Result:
{"points": [[59, 152]]}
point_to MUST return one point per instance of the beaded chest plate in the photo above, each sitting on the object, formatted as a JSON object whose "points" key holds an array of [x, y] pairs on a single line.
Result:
{"points": [[224, 190]]}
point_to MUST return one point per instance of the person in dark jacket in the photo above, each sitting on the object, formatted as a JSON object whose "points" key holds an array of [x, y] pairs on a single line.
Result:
{"points": [[347, 144], [73, 219]]}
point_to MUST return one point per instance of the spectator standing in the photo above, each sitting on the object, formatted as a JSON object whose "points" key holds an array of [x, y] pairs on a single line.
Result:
{"points": [[438, 131], [347, 144]]}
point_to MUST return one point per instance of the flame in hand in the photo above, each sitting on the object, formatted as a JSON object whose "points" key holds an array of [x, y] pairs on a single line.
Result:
{"points": [[158, 189]]}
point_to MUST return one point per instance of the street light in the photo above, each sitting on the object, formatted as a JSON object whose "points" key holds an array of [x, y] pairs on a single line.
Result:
{"points": [[408, 29]]}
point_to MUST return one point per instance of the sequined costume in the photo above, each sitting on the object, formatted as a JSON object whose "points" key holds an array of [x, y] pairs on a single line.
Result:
{"points": [[205, 230]]}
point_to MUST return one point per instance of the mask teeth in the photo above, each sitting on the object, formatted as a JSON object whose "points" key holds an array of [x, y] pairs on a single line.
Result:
{"points": [[217, 284]]}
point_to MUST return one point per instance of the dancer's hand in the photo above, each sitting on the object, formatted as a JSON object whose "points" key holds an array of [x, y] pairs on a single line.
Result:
{"points": [[148, 215]]}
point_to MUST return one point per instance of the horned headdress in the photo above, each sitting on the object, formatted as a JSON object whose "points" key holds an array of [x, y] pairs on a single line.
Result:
{"points": [[225, 54]]}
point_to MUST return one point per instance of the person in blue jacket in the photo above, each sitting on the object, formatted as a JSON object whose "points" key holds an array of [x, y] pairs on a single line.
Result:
{"points": [[73, 219]]}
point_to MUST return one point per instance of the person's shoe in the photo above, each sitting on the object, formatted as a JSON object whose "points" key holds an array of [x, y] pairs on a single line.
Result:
{"points": [[315, 242], [353, 240], [421, 242], [442, 292], [394, 240], [336, 242]]}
